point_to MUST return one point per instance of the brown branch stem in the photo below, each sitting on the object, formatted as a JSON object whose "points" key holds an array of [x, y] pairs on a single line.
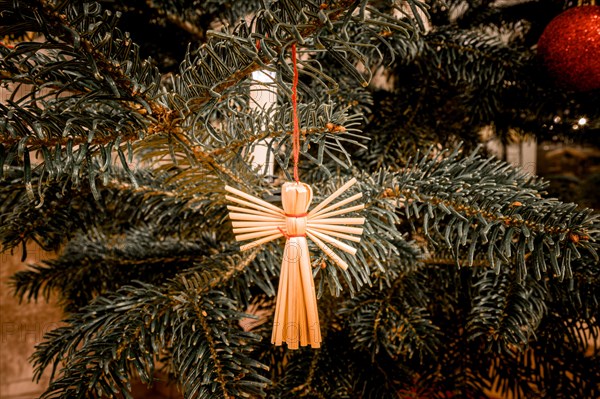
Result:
{"points": [[469, 210]]}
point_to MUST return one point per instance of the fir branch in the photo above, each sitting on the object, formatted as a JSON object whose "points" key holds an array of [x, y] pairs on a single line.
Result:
{"points": [[226, 348], [107, 351], [96, 264], [306, 386], [153, 114], [508, 220], [393, 141], [250, 139], [197, 33], [451, 261], [161, 118], [220, 374], [209, 160], [227, 80], [331, 376], [58, 21], [381, 322], [469, 49], [65, 210], [490, 203], [506, 314], [223, 139], [479, 52]]}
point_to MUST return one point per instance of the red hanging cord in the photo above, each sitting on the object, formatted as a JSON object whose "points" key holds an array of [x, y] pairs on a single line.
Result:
{"points": [[296, 132]]}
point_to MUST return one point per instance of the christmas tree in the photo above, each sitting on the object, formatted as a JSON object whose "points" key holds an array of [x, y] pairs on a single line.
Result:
{"points": [[129, 119]]}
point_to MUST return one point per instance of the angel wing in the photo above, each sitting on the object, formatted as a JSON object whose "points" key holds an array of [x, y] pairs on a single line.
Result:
{"points": [[259, 220], [322, 227]]}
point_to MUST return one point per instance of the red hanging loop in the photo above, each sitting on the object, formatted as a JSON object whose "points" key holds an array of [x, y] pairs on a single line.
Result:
{"points": [[296, 132]]}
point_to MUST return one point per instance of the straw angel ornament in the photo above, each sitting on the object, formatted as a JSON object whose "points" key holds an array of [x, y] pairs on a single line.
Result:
{"points": [[296, 316]]}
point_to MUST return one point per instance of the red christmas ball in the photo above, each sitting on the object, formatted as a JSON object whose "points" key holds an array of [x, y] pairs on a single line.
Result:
{"points": [[570, 48]]}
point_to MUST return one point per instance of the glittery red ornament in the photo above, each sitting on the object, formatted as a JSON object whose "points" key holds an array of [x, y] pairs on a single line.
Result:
{"points": [[570, 48]]}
